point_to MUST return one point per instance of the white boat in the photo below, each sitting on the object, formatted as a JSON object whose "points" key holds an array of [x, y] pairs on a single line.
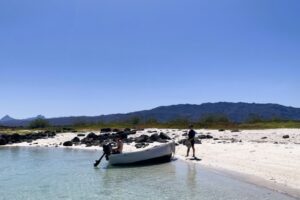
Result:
{"points": [[156, 154]]}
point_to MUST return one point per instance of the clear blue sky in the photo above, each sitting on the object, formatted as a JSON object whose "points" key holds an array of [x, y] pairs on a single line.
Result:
{"points": [[91, 57]]}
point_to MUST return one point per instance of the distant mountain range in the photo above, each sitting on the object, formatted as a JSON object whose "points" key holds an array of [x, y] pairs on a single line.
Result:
{"points": [[9, 121], [237, 112]]}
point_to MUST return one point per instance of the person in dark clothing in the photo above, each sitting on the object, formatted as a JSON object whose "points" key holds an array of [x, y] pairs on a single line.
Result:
{"points": [[191, 140]]}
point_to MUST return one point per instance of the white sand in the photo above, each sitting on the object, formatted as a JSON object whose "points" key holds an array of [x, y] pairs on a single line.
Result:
{"points": [[273, 159]]}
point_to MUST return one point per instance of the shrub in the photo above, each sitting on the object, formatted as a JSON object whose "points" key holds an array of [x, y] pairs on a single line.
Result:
{"points": [[39, 123]]}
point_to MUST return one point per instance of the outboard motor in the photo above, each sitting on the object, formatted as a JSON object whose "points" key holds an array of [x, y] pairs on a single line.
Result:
{"points": [[107, 149]]}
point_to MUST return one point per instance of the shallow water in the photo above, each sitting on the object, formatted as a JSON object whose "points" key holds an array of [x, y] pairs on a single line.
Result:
{"points": [[41, 173]]}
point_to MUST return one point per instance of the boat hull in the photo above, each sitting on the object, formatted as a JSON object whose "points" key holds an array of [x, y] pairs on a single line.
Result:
{"points": [[157, 154]]}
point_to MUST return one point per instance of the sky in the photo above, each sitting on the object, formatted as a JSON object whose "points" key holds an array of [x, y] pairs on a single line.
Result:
{"points": [[92, 57]]}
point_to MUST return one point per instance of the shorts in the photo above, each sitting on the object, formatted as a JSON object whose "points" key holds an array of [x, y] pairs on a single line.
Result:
{"points": [[192, 142]]}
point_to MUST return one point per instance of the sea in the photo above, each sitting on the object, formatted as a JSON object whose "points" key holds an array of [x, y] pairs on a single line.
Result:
{"points": [[59, 173]]}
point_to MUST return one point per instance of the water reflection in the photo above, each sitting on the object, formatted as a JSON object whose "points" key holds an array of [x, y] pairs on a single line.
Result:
{"points": [[191, 179]]}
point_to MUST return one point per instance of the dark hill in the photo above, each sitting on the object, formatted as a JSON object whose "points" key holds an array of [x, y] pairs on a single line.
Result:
{"points": [[237, 112]]}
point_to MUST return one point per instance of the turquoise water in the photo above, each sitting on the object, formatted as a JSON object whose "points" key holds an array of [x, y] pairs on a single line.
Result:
{"points": [[41, 173]]}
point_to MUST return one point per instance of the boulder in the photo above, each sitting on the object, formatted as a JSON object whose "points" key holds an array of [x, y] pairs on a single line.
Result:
{"points": [[142, 138], [201, 137], [154, 137], [197, 141], [164, 136], [3, 140], [285, 136], [75, 140], [92, 135], [105, 130], [80, 135], [182, 141], [132, 132], [68, 144], [129, 140]]}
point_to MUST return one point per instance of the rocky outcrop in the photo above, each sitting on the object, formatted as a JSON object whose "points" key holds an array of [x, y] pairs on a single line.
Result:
{"points": [[17, 138], [3, 140]]}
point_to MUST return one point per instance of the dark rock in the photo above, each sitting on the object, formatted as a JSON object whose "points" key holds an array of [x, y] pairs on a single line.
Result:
{"points": [[154, 137], [68, 129], [3, 141], [184, 134], [138, 146], [92, 135], [116, 130], [221, 130], [15, 138], [105, 130], [164, 136], [141, 145], [127, 129], [162, 140], [151, 131], [75, 140], [68, 144], [197, 141], [285, 136], [142, 138], [233, 140], [50, 133], [81, 135], [182, 141], [107, 136], [132, 132], [129, 140], [263, 138], [205, 137]]}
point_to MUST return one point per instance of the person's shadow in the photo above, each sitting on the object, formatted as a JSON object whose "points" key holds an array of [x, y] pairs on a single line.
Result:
{"points": [[195, 159]]}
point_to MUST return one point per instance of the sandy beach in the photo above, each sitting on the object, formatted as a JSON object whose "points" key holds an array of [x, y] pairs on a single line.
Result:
{"points": [[263, 157]]}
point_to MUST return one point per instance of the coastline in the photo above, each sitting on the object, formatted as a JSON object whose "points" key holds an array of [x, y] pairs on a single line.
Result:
{"points": [[271, 162]]}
